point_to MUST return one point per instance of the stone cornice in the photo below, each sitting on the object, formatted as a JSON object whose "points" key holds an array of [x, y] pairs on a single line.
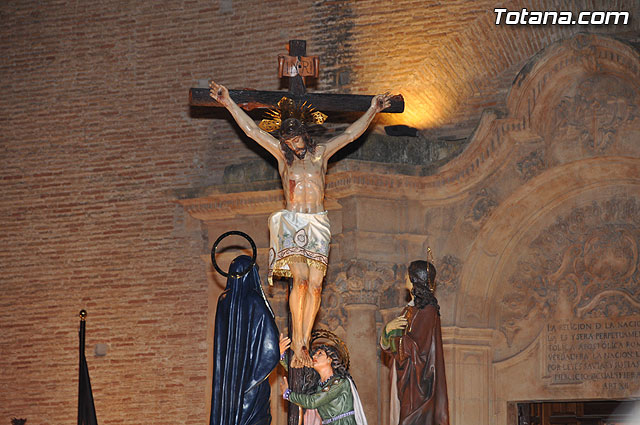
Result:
{"points": [[228, 205], [453, 335], [492, 142]]}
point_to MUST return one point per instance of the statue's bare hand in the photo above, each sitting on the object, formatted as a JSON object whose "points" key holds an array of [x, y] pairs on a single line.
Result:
{"points": [[399, 322], [284, 384], [285, 342], [381, 101], [219, 93]]}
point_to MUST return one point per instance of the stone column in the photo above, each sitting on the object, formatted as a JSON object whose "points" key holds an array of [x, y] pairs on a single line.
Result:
{"points": [[468, 357], [362, 282], [361, 339]]}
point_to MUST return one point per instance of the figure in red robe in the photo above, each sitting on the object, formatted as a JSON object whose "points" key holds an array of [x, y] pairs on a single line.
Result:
{"points": [[414, 341]]}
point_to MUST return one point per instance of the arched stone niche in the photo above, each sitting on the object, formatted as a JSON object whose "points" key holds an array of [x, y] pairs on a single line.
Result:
{"points": [[553, 269]]}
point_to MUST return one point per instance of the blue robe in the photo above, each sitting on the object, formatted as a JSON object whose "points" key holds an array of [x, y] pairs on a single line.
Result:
{"points": [[245, 351]]}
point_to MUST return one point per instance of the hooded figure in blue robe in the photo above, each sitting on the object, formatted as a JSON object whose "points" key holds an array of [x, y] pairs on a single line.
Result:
{"points": [[245, 350]]}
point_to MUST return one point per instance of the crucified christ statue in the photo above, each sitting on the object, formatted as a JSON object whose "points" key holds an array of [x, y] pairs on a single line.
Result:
{"points": [[299, 234]]}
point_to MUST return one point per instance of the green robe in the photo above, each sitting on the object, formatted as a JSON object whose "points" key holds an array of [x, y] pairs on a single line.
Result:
{"points": [[331, 400]]}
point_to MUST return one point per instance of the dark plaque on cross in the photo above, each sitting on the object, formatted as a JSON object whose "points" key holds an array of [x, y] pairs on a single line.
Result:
{"points": [[296, 66]]}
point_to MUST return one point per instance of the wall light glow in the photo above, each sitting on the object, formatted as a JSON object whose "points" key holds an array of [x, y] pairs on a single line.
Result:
{"points": [[426, 107]]}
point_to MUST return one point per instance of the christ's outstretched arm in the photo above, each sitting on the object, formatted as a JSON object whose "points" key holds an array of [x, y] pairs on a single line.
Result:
{"points": [[244, 121], [355, 130]]}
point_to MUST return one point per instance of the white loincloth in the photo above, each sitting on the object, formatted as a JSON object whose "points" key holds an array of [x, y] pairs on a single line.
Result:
{"points": [[298, 238]]}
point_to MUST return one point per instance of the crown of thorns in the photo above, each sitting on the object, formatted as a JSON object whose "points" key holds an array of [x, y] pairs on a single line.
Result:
{"points": [[334, 341], [287, 108]]}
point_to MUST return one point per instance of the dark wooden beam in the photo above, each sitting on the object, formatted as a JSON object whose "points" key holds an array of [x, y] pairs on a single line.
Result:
{"points": [[251, 99]]}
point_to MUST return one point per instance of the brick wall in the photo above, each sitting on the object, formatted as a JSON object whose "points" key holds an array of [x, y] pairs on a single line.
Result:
{"points": [[451, 60], [96, 139]]}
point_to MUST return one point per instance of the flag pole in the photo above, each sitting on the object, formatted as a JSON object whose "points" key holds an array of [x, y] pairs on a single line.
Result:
{"points": [[86, 408], [83, 318]]}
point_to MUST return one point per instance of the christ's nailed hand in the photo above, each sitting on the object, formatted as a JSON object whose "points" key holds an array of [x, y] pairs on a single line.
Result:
{"points": [[219, 93]]}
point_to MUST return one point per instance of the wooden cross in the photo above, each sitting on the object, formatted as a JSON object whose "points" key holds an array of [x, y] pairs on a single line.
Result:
{"points": [[296, 66]]}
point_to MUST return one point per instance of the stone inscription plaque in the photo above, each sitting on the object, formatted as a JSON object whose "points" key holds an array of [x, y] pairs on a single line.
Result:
{"points": [[602, 353]]}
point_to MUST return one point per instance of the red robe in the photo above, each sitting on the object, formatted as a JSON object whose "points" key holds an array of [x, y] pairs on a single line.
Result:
{"points": [[419, 362]]}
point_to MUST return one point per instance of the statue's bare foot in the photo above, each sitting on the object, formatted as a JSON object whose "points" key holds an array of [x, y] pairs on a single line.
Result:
{"points": [[296, 362], [301, 359], [306, 357]]}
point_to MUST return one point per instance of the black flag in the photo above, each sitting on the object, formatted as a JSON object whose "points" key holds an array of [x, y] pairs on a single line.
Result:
{"points": [[86, 409]]}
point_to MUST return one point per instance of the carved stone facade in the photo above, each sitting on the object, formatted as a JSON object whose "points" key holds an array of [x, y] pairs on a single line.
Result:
{"points": [[585, 265], [535, 228]]}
